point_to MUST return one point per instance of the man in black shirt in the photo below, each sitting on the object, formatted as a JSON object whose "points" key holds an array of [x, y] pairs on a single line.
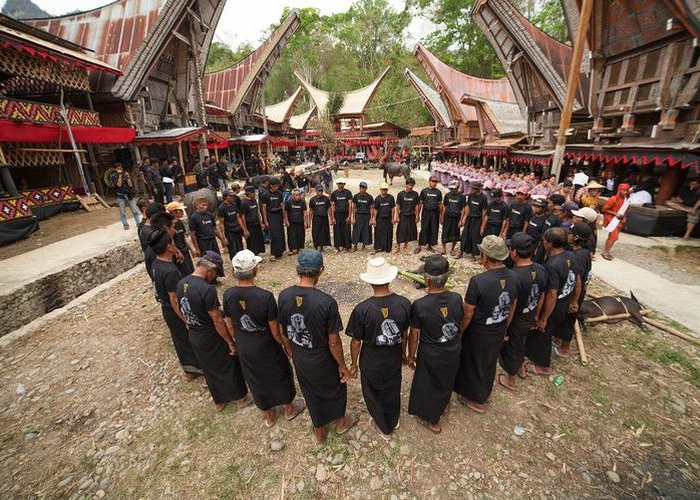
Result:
{"points": [[438, 320], [491, 300], [520, 213], [378, 327], [166, 277], [228, 212], [204, 230], [250, 220], [540, 221], [182, 241], [430, 201], [688, 201], [145, 231], [406, 213], [124, 187], [452, 216], [319, 207], [382, 219], [474, 219], [360, 217], [497, 215], [311, 320], [271, 210], [532, 279], [155, 182], [296, 219], [209, 336], [340, 216]]}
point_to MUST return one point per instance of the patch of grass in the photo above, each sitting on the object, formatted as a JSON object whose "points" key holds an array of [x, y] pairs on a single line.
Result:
{"points": [[600, 396], [663, 354]]}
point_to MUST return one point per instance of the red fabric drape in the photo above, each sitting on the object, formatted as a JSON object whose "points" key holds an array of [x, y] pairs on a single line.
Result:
{"points": [[11, 131]]}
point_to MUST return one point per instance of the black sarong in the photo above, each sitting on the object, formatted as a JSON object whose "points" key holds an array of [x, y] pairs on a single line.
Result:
{"points": [[181, 341], [539, 255], [221, 370], [255, 242], [512, 352], [383, 235], [361, 232], [477, 368], [277, 246], [296, 236], [430, 222], [471, 236], [406, 230], [235, 242], [450, 228], [320, 233], [186, 266], [380, 374], [319, 380], [433, 380], [206, 244], [538, 346], [492, 229], [266, 369], [341, 231]]}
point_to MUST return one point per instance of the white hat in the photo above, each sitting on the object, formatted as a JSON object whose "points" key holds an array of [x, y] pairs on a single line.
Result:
{"points": [[341, 181], [586, 213], [379, 272], [453, 184], [245, 261]]}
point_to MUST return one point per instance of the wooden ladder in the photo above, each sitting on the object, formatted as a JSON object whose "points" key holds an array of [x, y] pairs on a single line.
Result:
{"points": [[92, 202]]}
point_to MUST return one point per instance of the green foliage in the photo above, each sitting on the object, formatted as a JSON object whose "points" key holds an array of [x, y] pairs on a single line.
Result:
{"points": [[550, 19], [335, 102], [222, 56]]}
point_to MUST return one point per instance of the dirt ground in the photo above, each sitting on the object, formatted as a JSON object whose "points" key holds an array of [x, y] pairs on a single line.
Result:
{"points": [[680, 264], [94, 405]]}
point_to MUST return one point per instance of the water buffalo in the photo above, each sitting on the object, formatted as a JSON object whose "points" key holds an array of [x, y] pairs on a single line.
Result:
{"points": [[610, 306], [207, 193], [393, 169]]}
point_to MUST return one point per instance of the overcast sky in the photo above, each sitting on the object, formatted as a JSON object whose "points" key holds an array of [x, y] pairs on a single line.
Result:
{"points": [[245, 21]]}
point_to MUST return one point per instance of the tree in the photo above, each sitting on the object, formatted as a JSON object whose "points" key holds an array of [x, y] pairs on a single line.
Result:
{"points": [[222, 56], [550, 19]]}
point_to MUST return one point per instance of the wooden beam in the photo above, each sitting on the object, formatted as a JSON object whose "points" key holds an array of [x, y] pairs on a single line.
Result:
{"points": [[182, 38]]}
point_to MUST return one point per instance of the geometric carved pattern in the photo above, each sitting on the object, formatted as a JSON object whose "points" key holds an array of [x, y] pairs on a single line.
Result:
{"points": [[49, 195], [14, 208], [16, 63], [15, 157], [27, 111]]}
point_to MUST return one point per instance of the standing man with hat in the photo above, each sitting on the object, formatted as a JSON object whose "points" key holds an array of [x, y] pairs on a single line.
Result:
{"points": [[520, 213], [382, 219], [182, 241], [271, 211], [378, 329], [296, 218], [311, 320], [497, 215], [532, 279], [452, 216], [438, 320], [319, 206], [537, 227], [204, 230], [431, 201], [491, 300], [360, 217], [473, 220], [340, 216], [251, 317], [405, 215], [209, 336], [249, 218], [228, 212]]}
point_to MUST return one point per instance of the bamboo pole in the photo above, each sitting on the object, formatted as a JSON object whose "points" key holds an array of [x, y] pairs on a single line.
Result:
{"points": [[606, 317], [661, 326], [579, 342]]}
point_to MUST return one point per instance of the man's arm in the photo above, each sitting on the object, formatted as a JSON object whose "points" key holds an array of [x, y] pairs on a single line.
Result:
{"points": [[336, 347], [483, 221], [550, 301], [222, 330], [263, 214], [413, 335], [442, 213], [118, 183], [176, 306], [511, 313], [280, 337], [230, 327], [468, 313], [573, 305], [355, 346], [219, 232], [331, 212]]}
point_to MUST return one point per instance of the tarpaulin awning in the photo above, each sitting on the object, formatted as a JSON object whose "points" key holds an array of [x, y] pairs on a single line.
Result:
{"points": [[170, 135], [543, 157], [249, 140], [679, 159], [11, 131]]}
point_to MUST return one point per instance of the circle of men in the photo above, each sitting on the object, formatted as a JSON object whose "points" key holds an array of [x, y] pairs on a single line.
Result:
{"points": [[516, 313]]}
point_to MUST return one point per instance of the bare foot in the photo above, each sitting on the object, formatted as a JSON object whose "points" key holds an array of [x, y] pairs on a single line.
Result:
{"points": [[345, 423], [270, 418], [506, 381], [189, 377], [417, 250], [244, 401], [476, 407], [319, 434], [220, 406]]}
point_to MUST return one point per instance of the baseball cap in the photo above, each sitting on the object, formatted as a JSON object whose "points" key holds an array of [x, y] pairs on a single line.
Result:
{"points": [[213, 257], [539, 202], [174, 205], [476, 185], [569, 206], [363, 184], [153, 209], [249, 189], [274, 181], [228, 192], [319, 187], [433, 178], [453, 185], [245, 261], [495, 193], [520, 241], [436, 265], [341, 181], [311, 259], [582, 230], [494, 247], [586, 213], [383, 185]]}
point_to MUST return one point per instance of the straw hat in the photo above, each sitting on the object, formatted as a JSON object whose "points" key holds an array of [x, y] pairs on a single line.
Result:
{"points": [[174, 205], [594, 185], [379, 272]]}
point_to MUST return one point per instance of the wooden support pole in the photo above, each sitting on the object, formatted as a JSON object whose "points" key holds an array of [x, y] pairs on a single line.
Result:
{"points": [[579, 342], [572, 85], [661, 326]]}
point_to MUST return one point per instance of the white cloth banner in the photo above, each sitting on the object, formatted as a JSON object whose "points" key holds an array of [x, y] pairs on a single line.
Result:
{"points": [[612, 225]]}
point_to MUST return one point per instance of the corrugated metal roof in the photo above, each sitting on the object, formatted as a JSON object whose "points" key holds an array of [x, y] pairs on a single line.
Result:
{"points": [[421, 131], [169, 133], [432, 99]]}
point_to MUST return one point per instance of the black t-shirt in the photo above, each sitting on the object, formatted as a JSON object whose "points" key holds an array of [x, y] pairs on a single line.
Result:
{"points": [[250, 308], [144, 233], [430, 198], [384, 205], [203, 224], [689, 197], [519, 213], [295, 210], [493, 293], [319, 205], [180, 234], [197, 298], [178, 173], [407, 201], [273, 201], [454, 203], [532, 281], [342, 200], [477, 203], [123, 191], [166, 277], [496, 213], [438, 316], [363, 203], [584, 264], [551, 221], [308, 315], [230, 214], [561, 275], [249, 210], [380, 321], [537, 226]]}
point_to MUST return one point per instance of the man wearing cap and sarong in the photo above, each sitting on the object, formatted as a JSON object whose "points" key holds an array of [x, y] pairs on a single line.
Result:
{"points": [[497, 215], [296, 218], [204, 230], [491, 300], [474, 218], [520, 213], [406, 213], [250, 220], [378, 327], [209, 337], [311, 321], [319, 206], [532, 279], [228, 212], [382, 220], [263, 351], [271, 211], [182, 240], [452, 212], [360, 217], [340, 216], [430, 202], [437, 319]]}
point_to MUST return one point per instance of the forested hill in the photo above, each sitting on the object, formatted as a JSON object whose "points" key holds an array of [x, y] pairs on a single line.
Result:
{"points": [[23, 9]]}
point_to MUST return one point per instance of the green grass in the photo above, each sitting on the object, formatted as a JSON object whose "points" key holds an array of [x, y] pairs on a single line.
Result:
{"points": [[600, 396], [667, 356]]}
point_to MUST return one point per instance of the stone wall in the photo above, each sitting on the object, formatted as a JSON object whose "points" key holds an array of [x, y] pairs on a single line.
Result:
{"points": [[56, 290]]}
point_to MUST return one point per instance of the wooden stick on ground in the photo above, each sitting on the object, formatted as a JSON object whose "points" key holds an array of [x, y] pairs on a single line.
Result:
{"points": [[605, 317], [579, 342], [661, 326]]}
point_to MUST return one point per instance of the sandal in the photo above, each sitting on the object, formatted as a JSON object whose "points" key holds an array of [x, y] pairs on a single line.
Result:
{"points": [[500, 381], [531, 369], [427, 425], [606, 256], [299, 406], [373, 425], [352, 420]]}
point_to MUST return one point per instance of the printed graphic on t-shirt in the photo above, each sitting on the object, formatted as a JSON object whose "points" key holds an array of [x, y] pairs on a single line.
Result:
{"points": [[532, 299], [249, 325], [500, 310], [449, 332], [297, 331], [186, 310], [391, 335], [569, 285]]}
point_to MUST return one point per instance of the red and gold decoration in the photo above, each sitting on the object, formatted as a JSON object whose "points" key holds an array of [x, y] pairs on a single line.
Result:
{"points": [[26, 111]]}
